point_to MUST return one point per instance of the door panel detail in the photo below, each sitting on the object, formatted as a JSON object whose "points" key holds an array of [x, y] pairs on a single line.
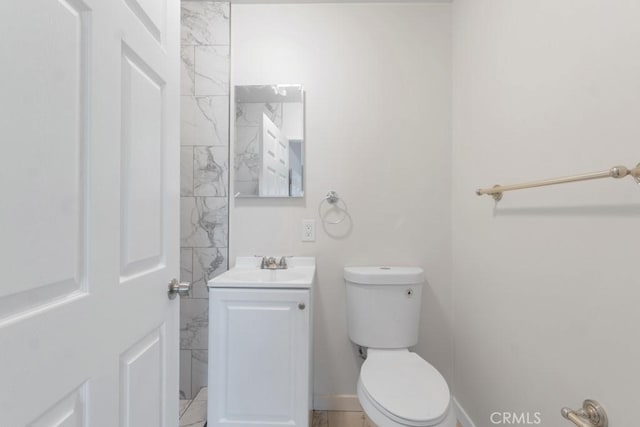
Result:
{"points": [[274, 156], [71, 411], [88, 167], [142, 382], [151, 14], [142, 168], [48, 203]]}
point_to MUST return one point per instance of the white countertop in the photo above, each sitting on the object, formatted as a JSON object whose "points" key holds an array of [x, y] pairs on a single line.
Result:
{"points": [[247, 273]]}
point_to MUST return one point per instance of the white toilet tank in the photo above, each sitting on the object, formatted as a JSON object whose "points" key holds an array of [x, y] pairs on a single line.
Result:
{"points": [[383, 305]]}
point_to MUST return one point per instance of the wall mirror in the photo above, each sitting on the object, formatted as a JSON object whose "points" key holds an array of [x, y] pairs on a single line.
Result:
{"points": [[269, 141]]}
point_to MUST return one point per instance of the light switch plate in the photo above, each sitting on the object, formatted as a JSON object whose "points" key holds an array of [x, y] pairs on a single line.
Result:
{"points": [[308, 230]]}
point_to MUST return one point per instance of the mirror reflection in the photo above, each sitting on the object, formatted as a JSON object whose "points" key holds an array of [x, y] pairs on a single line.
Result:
{"points": [[269, 141]]}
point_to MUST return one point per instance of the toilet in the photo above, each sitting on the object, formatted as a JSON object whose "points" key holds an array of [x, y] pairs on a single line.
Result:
{"points": [[396, 387]]}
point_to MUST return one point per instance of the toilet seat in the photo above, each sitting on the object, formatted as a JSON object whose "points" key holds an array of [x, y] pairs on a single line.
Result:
{"points": [[404, 387]]}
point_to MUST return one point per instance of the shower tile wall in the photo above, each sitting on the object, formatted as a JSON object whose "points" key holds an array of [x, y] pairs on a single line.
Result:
{"points": [[204, 176]]}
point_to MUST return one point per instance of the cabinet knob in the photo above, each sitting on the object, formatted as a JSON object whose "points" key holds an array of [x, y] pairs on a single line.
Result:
{"points": [[301, 305]]}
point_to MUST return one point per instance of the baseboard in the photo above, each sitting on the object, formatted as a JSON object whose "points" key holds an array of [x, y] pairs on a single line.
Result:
{"points": [[336, 402], [463, 417]]}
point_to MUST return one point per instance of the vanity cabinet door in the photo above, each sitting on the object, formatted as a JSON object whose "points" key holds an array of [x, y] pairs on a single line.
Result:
{"points": [[259, 349]]}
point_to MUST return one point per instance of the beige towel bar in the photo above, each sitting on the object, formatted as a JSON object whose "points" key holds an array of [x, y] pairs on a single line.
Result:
{"points": [[615, 172]]}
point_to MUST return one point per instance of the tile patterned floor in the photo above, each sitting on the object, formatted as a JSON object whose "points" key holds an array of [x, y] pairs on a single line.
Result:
{"points": [[193, 413], [340, 419], [343, 419]]}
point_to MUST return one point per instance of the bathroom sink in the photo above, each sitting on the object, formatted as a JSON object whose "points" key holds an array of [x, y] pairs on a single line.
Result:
{"points": [[265, 276], [248, 274]]}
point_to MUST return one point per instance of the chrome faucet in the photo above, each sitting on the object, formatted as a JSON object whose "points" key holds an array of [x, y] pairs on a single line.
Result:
{"points": [[271, 263], [283, 263]]}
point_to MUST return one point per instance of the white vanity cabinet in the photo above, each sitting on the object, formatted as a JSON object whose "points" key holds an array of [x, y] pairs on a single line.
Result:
{"points": [[259, 357]]}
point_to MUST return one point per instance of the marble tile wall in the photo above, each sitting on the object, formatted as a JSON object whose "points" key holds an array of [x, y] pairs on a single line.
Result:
{"points": [[247, 158], [204, 175]]}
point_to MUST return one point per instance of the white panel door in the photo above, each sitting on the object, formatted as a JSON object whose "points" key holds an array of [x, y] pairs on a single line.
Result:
{"points": [[274, 154], [89, 220], [259, 357]]}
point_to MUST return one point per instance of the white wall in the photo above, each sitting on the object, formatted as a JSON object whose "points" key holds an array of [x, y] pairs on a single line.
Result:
{"points": [[377, 78], [546, 285]]}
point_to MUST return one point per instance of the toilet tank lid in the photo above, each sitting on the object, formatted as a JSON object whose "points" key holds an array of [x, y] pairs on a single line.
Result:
{"points": [[384, 275]]}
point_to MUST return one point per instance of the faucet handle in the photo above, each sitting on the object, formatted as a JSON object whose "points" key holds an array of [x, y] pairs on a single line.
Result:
{"points": [[283, 262], [263, 263]]}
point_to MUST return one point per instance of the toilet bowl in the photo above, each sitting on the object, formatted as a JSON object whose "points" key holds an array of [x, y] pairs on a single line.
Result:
{"points": [[396, 387]]}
